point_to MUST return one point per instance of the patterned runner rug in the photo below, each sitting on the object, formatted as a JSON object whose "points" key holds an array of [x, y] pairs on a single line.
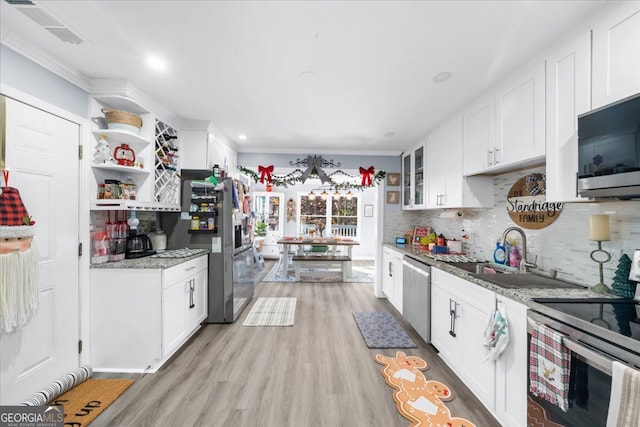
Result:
{"points": [[272, 312], [380, 330]]}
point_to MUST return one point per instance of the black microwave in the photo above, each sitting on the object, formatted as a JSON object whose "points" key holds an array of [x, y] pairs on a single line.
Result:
{"points": [[609, 151]]}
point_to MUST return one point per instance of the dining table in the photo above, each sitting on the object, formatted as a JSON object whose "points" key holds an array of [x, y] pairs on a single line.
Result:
{"points": [[301, 242]]}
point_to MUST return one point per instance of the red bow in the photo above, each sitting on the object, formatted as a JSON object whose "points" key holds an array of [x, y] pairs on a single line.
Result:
{"points": [[366, 175], [265, 171]]}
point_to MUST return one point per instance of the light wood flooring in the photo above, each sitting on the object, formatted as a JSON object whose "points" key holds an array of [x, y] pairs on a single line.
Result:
{"points": [[317, 373]]}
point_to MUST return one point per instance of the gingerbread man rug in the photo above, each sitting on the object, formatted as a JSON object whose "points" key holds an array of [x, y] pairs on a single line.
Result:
{"points": [[419, 400]]}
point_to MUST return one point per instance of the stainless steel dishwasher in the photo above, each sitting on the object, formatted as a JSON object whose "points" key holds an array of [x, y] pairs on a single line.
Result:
{"points": [[416, 298]]}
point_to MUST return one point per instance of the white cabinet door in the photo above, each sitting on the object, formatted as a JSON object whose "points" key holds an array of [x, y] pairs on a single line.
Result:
{"points": [[398, 286], [197, 300], [568, 90], [387, 273], [174, 315], [616, 54], [442, 324], [512, 367], [269, 208], [520, 136], [435, 146], [479, 136]]}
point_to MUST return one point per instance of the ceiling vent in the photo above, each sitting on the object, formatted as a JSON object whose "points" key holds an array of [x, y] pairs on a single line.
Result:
{"points": [[65, 35], [32, 11]]}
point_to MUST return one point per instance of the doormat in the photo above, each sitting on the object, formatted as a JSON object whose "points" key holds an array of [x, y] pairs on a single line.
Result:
{"points": [[317, 275], [380, 330], [419, 400], [271, 312], [83, 403]]}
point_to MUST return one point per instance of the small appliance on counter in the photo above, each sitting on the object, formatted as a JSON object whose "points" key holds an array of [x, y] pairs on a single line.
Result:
{"points": [[138, 246]]}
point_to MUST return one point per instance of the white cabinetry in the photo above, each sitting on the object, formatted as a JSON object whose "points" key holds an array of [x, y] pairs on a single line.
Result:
{"points": [[446, 186], [205, 148], [269, 208], [520, 119], [512, 367], [140, 317], [568, 89], [392, 277], [505, 128], [413, 179], [155, 181], [616, 54], [459, 314]]}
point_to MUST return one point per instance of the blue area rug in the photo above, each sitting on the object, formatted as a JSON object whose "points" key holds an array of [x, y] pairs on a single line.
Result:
{"points": [[380, 330]]}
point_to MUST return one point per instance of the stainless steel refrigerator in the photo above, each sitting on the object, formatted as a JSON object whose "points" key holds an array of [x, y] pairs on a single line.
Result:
{"points": [[222, 228]]}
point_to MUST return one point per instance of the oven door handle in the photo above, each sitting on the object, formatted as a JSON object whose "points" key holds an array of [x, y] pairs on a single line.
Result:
{"points": [[596, 359]]}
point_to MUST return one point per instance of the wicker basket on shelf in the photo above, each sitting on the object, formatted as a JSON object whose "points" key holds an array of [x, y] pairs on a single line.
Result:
{"points": [[122, 117]]}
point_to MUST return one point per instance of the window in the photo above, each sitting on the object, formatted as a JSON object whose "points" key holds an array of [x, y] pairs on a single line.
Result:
{"points": [[329, 215]]}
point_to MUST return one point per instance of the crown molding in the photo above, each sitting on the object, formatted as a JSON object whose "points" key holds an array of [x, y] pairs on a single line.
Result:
{"points": [[35, 54]]}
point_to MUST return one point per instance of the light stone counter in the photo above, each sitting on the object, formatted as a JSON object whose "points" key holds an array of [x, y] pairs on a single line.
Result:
{"points": [[151, 262], [523, 295]]}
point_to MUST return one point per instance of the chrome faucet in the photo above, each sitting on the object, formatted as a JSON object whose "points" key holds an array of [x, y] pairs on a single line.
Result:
{"points": [[524, 264]]}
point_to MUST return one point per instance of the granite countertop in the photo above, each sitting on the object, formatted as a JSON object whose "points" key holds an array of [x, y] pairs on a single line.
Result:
{"points": [[523, 295], [153, 261]]}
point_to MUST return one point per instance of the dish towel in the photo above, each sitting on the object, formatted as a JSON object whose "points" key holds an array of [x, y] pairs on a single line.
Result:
{"points": [[496, 335], [624, 404], [549, 366]]}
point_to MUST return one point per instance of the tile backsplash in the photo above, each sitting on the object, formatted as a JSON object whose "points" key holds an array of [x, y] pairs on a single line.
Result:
{"points": [[563, 246]]}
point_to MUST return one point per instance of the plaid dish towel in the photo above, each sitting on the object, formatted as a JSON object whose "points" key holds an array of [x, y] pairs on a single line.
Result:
{"points": [[549, 366]]}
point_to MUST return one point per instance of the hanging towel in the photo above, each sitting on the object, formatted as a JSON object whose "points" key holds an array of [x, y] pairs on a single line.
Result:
{"points": [[624, 404], [549, 366], [496, 335]]}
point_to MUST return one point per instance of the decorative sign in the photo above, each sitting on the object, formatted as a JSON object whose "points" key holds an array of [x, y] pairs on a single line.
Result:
{"points": [[419, 233], [527, 203], [393, 179]]}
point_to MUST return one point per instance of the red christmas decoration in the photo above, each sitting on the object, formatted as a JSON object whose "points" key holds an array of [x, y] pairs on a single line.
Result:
{"points": [[265, 171], [366, 175]]}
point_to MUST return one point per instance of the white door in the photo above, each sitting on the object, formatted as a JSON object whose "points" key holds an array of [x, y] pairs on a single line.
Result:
{"points": [[41, 152]]}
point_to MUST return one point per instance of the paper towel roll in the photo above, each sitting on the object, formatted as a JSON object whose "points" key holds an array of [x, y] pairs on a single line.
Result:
{"points": [[451, 213]]}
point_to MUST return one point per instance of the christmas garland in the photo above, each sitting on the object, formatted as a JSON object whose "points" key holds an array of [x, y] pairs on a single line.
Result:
{"points": [[295, 177]]}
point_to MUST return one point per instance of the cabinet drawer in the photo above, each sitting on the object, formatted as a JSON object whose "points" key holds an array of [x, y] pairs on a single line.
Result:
{"points": [[184, 270], [474, 295]]}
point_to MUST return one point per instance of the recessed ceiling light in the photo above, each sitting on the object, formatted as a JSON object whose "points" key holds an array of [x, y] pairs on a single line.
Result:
{"points": [[442, 77], [389, 134], [157, 63], [242, 137]]}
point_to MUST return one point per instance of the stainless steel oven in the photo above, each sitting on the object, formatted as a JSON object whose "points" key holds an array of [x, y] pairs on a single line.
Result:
{"points": [[596, 331]]}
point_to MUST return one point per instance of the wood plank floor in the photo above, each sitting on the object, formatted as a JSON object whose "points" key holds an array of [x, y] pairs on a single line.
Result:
{"points": [[317, 373]]}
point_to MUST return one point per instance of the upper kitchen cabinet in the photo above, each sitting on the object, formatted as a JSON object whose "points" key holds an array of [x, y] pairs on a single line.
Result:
{"points": [[505, 128], [413, 178], [205, 148], [568, 90], [520, 120], [616, 54], [446, 185]]}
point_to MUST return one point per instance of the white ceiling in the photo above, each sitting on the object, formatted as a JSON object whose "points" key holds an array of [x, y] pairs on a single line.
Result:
{"points": [[321, 76]]}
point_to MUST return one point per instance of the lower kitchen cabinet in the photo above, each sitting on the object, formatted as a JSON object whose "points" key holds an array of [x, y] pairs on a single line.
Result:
{"points": [[392, 277], [140, 317], [459, 315], [512, 367]]}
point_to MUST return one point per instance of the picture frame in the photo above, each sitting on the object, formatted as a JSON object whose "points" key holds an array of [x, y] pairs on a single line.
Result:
{"points": [[393, 197], [368, 210], [393, 179]]}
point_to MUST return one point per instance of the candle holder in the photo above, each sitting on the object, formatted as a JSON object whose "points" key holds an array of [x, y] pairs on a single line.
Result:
{"points": [[600, 256]]}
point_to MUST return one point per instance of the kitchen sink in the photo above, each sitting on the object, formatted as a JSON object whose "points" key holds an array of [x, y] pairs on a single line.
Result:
{"points": [[498, 268], [525, 280]]}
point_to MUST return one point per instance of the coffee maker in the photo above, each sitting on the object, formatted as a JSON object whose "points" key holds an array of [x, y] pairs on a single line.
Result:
{"points": [[138, 243]]}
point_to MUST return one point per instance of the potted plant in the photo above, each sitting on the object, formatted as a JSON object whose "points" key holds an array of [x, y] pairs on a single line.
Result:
{"points": [[261, 229]]}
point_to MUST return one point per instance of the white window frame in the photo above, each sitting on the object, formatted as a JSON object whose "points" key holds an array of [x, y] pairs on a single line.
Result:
{"points": [[328, 231]]}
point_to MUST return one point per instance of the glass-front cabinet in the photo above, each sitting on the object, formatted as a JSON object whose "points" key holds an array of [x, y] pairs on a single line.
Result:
{"points": [[413, 182], [269, 209]]}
